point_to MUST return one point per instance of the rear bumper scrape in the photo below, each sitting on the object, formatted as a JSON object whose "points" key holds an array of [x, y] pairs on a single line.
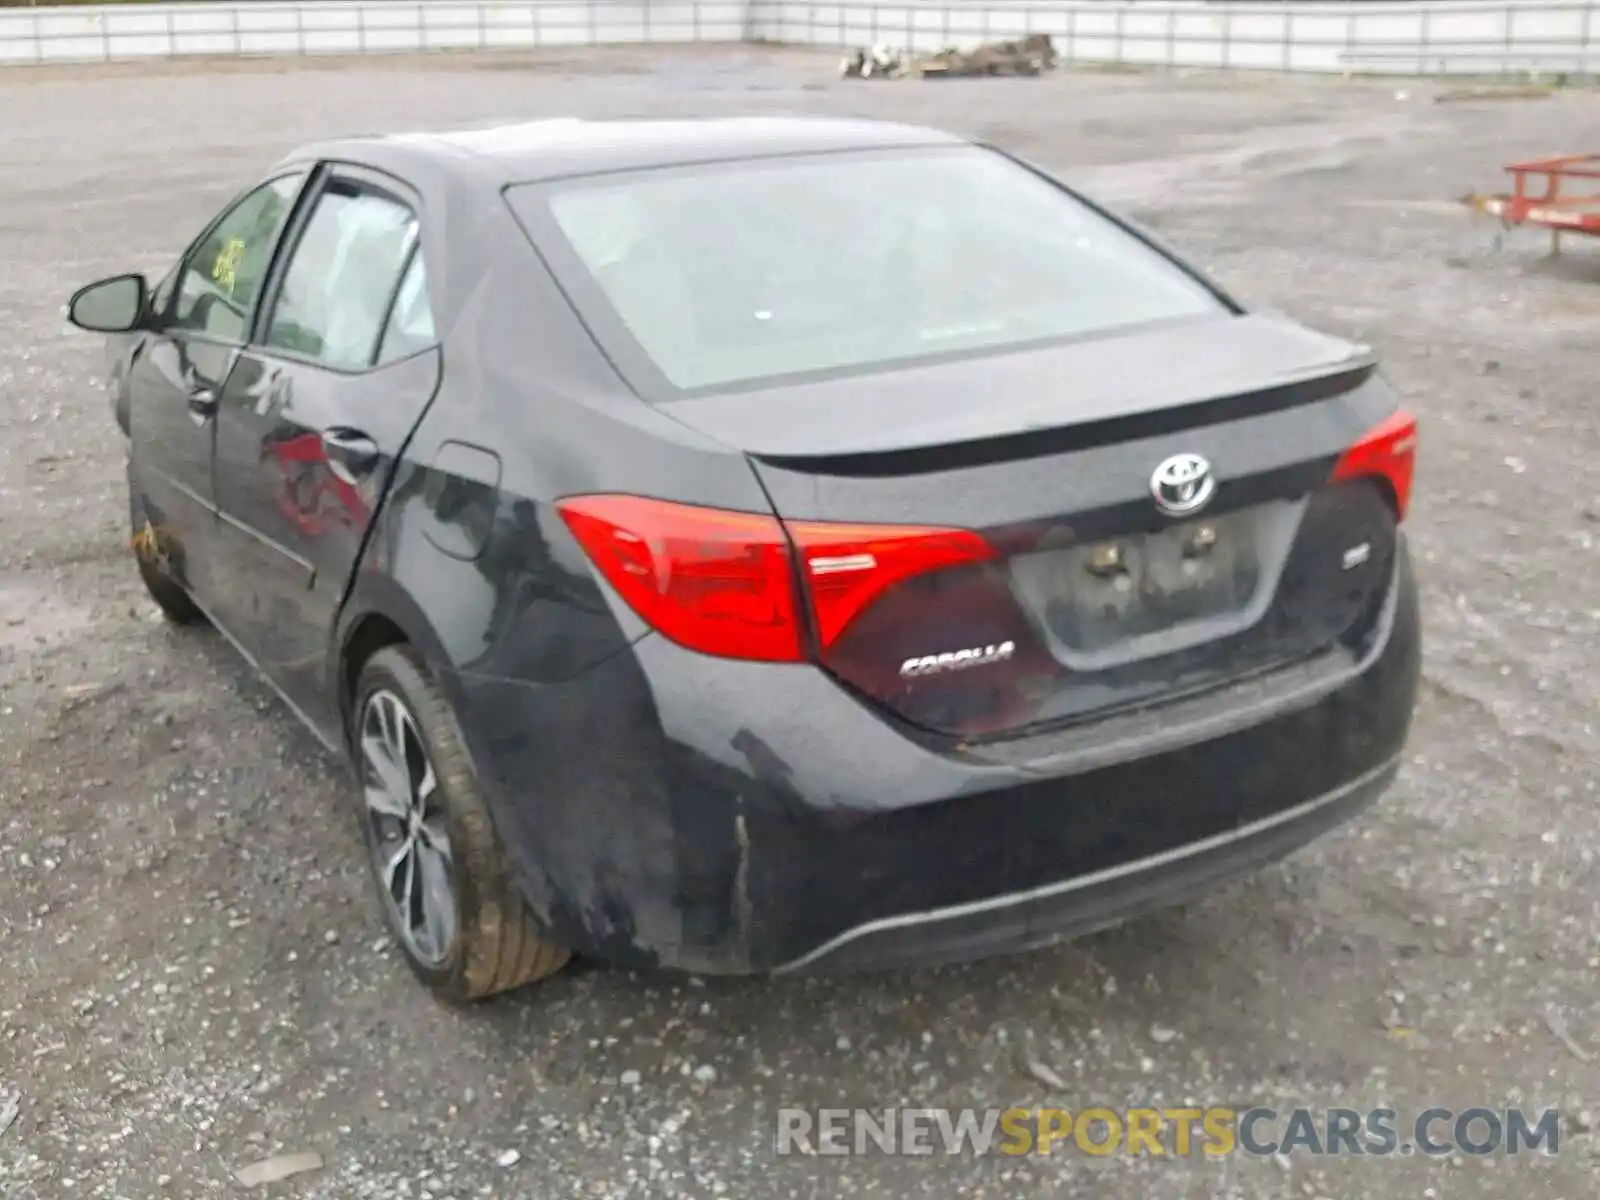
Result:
{"points": [[1074, 907]]}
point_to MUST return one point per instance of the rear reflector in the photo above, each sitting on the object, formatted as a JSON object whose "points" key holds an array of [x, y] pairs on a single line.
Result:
{"points": [[1387, 451], [724, 583]]}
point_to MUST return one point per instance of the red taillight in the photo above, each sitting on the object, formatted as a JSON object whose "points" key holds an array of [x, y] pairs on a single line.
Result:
{"points": [[715, 581], [1387, 451], [847, 567], [723, 582]]}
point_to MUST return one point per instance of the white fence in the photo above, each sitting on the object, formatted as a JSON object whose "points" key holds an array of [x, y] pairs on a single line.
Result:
{"points": [[1468, 36], [1405, 37], [119, 32]]}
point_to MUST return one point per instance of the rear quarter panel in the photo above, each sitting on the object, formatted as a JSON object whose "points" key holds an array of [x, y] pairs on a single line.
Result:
{"points": [[469, 555]]}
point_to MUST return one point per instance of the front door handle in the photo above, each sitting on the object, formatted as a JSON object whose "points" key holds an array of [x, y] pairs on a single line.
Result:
{"points": [[350, 453]]}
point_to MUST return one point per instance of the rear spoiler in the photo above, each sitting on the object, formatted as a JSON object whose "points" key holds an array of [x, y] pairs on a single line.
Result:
{"points": [[1040, 443]]}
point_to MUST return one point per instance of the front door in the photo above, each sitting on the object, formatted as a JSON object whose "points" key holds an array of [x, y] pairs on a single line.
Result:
{"points": [[179, 369], [310, 424]]}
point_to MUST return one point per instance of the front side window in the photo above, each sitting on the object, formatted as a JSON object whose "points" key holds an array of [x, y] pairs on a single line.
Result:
{"points": [[220, 281], [737, 273], [334, 302]]}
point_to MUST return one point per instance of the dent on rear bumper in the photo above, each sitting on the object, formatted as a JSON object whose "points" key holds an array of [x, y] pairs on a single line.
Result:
{"points": [[668, 809]]}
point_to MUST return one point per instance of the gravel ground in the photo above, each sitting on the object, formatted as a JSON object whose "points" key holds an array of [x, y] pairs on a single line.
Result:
{"points": [[192, 978]]}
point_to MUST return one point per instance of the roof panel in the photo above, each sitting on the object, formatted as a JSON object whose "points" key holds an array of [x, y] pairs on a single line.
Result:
{"points": [[549, 149]]}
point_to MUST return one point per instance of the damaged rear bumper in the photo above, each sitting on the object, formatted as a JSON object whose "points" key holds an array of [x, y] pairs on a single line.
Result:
{"points": [[1082, 904], [666, 809]]}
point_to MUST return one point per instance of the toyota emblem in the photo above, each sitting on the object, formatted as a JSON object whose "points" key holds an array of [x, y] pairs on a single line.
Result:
{"points": [[1183, 484]]}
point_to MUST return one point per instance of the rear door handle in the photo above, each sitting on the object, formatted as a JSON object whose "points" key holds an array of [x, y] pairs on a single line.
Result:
{"points": [[350, 453], [203, 405]]}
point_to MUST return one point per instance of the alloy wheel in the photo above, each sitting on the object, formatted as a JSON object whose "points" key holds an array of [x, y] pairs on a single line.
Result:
{"points": [[407, 829]]}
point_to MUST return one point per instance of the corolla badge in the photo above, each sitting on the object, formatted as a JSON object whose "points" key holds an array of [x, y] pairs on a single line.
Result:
{"points": [[1183, 484], [956, 660]]}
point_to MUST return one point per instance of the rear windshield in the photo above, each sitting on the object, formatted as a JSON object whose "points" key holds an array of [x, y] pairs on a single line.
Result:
{"points": [[739, 274]]}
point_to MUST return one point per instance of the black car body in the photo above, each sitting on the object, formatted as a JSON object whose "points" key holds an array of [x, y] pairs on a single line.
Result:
{"points": [[773, 649]]}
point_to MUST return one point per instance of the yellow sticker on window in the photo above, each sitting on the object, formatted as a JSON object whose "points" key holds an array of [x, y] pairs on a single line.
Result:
{"points": [[226, 269]]}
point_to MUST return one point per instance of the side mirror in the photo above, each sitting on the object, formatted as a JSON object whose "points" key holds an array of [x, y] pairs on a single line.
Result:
{"points": [[115, 305]]}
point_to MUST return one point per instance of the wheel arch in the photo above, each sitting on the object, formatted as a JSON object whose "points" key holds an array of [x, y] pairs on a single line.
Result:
{"points": [[379, 612]]}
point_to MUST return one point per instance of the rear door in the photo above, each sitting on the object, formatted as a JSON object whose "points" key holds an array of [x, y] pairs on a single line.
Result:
{"points": [[177, 371], [313, 418]]}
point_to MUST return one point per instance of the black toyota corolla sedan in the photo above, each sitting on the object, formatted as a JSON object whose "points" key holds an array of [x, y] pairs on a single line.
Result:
{"points": [[764, 545]]}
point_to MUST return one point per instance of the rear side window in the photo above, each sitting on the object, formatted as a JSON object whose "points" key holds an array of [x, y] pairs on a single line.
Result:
{"points": [[410, 329], [733, 274], [336, 294]]}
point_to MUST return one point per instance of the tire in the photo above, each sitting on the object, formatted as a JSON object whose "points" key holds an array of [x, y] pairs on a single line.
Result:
{"points": [[155, 561], [171, 599], [483, 940]]}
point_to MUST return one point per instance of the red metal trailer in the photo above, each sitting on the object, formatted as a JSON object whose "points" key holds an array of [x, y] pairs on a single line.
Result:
{"points": [[1558, 194]]}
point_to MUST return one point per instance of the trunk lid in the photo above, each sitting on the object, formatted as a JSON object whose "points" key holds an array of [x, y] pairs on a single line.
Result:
{"points": [[1089, 596]]}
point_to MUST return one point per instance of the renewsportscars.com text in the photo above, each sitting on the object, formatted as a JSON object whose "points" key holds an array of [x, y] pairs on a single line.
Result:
{"points": [[1169, 1132]]}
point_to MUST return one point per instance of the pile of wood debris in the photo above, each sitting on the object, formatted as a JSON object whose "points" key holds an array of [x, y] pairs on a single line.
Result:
{"points": [[1026, 56]]}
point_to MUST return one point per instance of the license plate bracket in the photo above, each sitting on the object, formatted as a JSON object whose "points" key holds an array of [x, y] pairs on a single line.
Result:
{"points": [[1141, 594]]}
